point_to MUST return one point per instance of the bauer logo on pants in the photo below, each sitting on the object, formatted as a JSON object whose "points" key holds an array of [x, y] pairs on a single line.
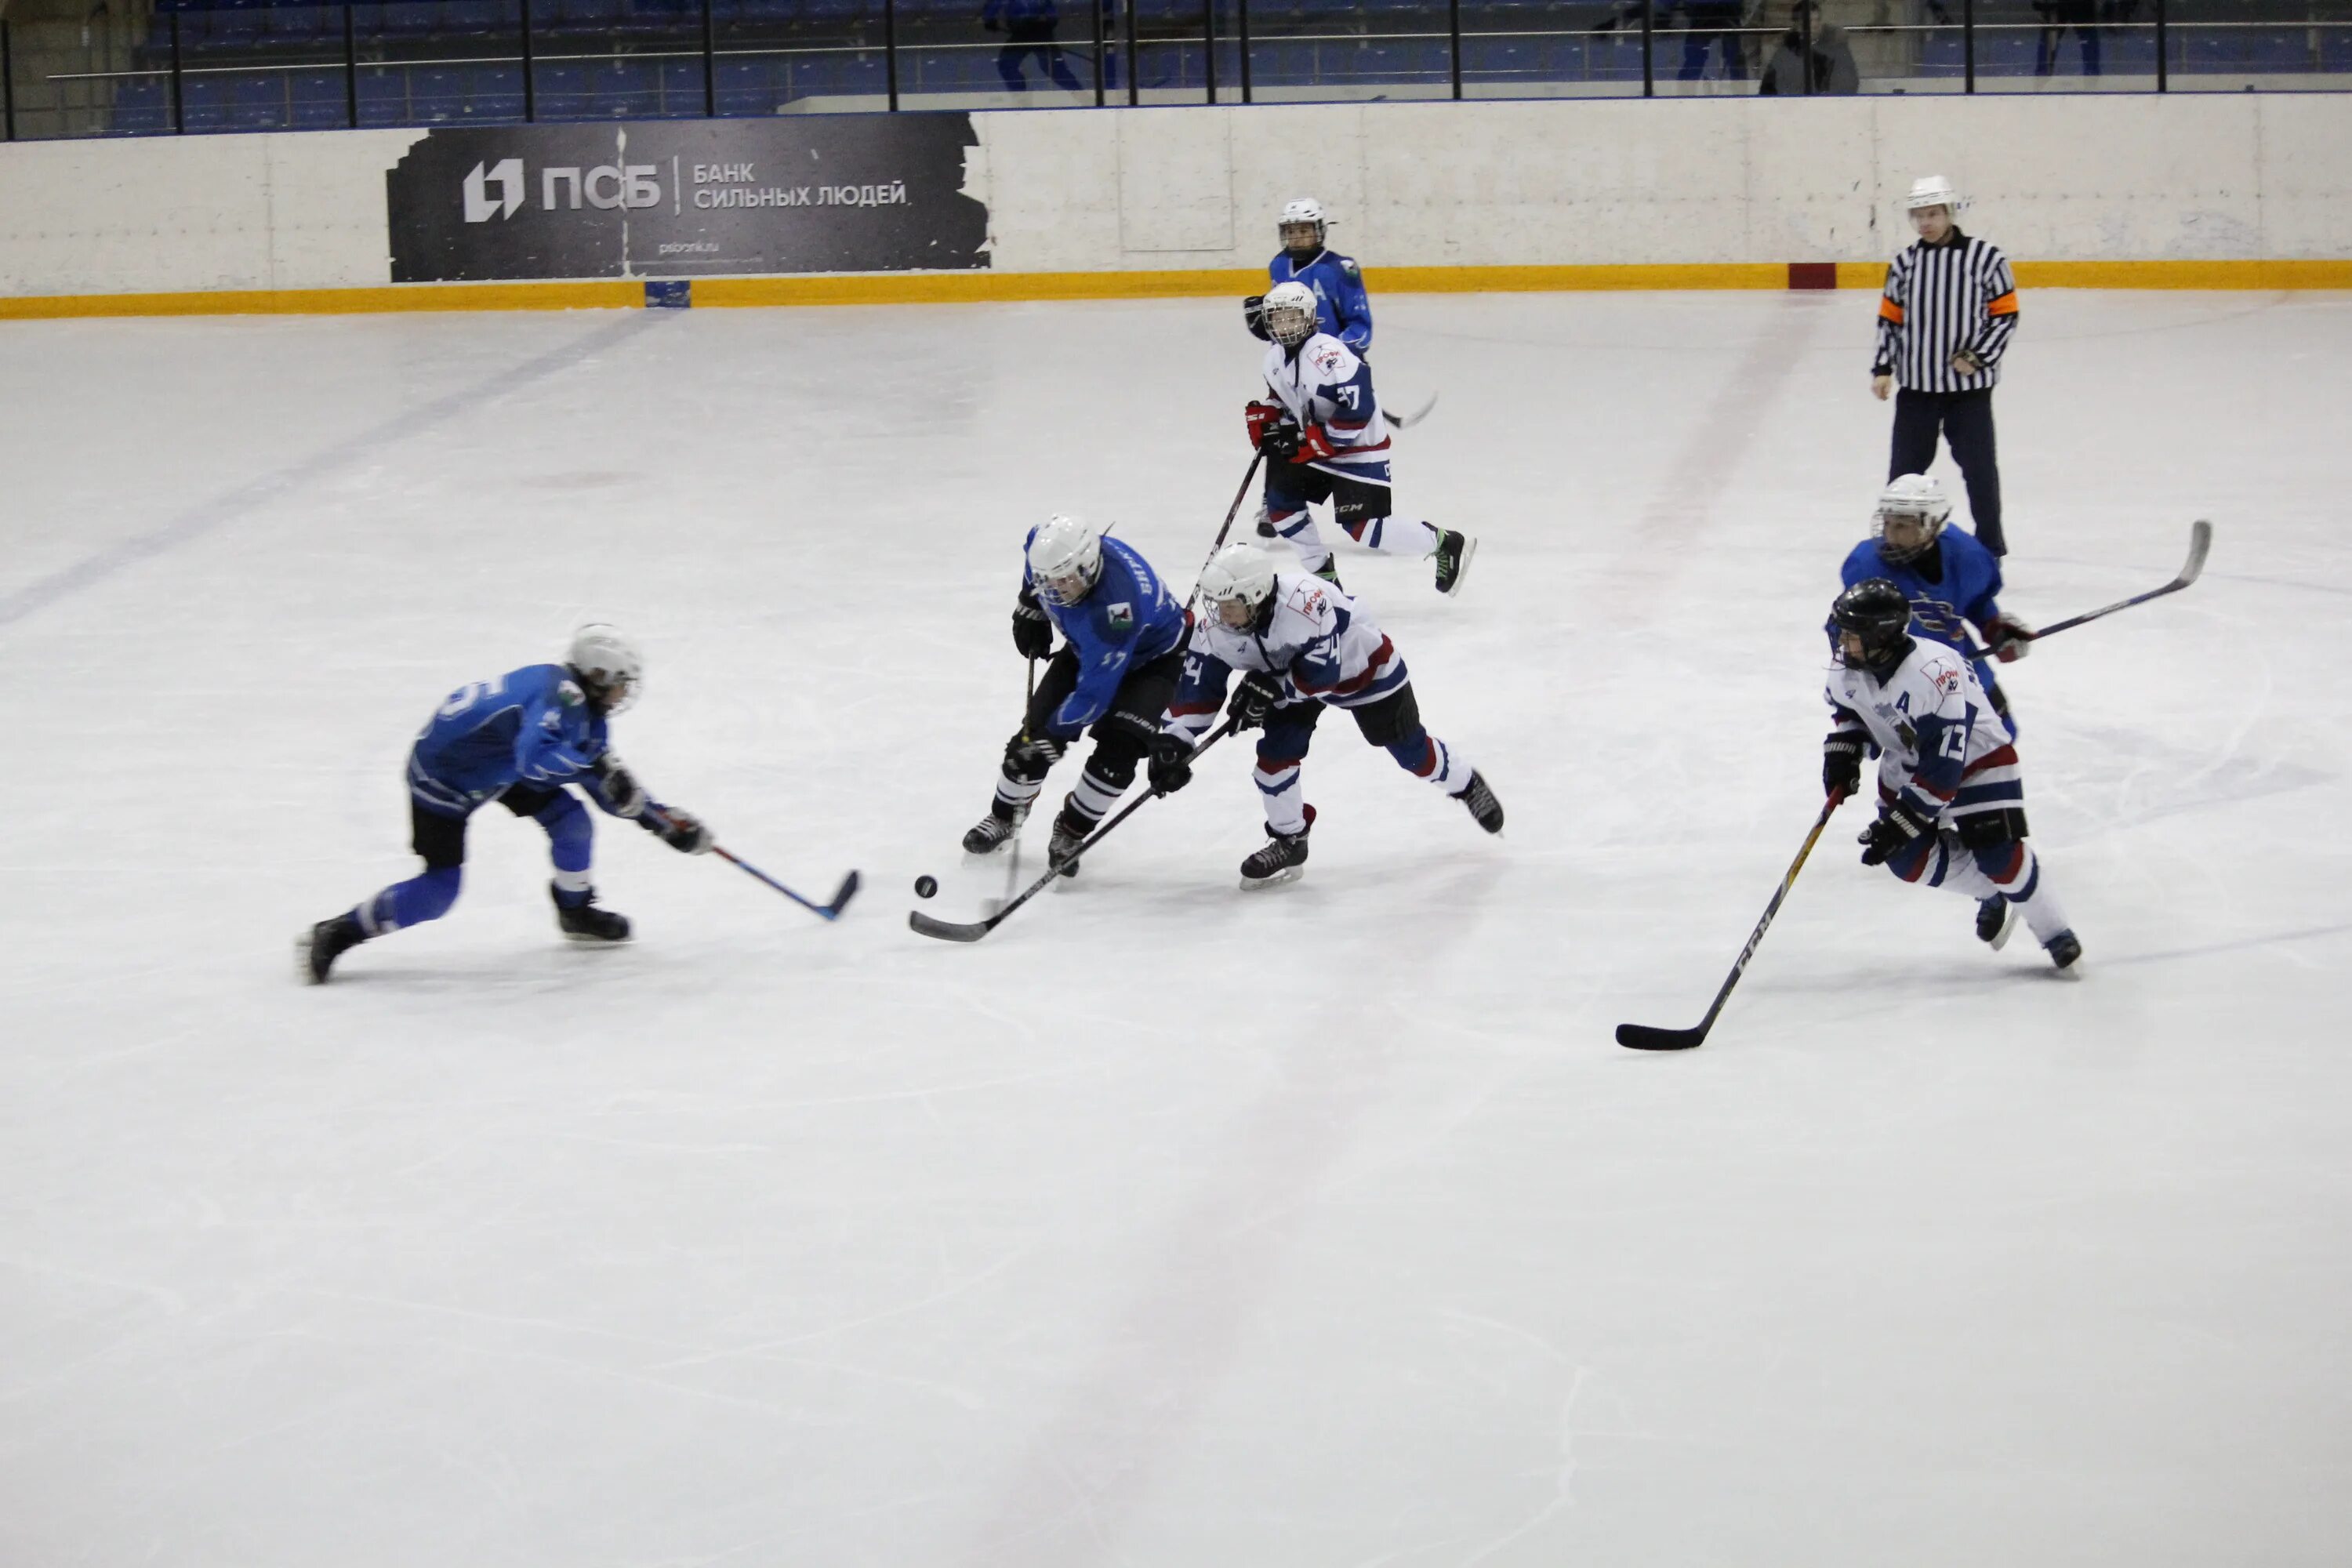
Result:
{"points": [[696, 198]]}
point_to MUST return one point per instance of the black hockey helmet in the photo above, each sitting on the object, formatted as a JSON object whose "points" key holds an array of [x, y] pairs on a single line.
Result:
{"points": [[1879, 614]]}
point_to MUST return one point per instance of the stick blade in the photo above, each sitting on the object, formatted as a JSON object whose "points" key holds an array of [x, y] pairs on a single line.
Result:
{"points": [[2200, 540], [841, 897], [1644, 1037], [947, 930]]}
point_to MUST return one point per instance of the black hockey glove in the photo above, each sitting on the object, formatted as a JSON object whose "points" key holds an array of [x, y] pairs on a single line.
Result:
{"points": [[1252, 699], [1897, 828], [681, 830], [622, 794], [1033, 633], [1254, 317], [1842, 763], [1171, 764], [1280, 441]]}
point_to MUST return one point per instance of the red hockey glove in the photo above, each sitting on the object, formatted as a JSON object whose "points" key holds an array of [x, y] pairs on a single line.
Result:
{"points": [[1314, 442], [2008, 638]]}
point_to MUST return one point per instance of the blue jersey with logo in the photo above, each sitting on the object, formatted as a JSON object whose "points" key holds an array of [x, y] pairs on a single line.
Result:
{"points": [[1342, 307], [1130, 618], [532, 725], [1951, 589]]}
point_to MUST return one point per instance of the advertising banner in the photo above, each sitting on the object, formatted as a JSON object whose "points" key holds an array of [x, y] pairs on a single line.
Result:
{"points": [[686, 198]]}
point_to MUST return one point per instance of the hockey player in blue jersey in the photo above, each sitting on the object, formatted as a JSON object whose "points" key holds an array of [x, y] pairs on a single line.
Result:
{"points": [[1342, 309], [1115, 675], [519, 740], [1950, 578]]}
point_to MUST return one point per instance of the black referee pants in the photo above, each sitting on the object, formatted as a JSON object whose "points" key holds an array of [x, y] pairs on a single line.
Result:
{"points": [[1964, 419]]}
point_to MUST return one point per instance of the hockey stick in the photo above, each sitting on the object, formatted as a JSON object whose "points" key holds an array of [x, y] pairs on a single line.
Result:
{"points": [[1407, 421], [1645, 1037], [1232, 512], [831, 911], [949, 930], [2200, 540], [1012, 866]]}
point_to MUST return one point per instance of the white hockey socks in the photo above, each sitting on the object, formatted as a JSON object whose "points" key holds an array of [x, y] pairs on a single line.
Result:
{"points": [[1298, 527], [1394, 535], [2014, 872]]}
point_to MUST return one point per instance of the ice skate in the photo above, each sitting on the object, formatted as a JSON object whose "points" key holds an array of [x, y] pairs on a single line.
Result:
{"points": [[584, 922], [1284, 859], [315, 950]]}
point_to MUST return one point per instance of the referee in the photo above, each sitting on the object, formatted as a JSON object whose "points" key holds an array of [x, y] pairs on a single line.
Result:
{"points": [[1949, 308]]}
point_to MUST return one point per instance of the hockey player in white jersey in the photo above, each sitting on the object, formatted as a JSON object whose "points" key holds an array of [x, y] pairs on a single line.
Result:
{"points": [[1325, 438], [1303, 645], [1951, 806]]}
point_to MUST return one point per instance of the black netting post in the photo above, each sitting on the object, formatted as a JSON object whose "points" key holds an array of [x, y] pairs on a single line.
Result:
{"points": [[350, 68], [1649, 28], [1969, 42], [1134, 81], [1208, 44], [179, 114], [2163, 44], [1804, 10], [1241, 36], [709, 64], [8, 87], [530, 87], [890, 49], [1096, 6], [1453, 41]]}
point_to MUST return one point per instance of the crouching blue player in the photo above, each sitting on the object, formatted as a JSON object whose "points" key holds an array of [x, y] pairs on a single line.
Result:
{"points": [[518, 739], [1115, 675], [1950, 579]]}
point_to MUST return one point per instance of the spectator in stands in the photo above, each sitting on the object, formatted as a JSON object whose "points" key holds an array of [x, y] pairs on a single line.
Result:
{"points": [[2057, 16], [1812, 57], [1704, 22], [1028, 27]]}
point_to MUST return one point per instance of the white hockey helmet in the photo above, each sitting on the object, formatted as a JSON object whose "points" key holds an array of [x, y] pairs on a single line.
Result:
{"points": [[1934, 190], [608, 665], [1065, 559], [1918, 509], [1290, 311], [1240, 574], [1304, 210]]}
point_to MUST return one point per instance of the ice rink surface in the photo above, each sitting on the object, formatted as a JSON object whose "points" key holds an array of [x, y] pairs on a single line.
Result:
{"points": [[1169, 1226]]}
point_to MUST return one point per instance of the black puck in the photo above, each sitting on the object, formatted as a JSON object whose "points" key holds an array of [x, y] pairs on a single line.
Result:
{"points": [[926, 886]]}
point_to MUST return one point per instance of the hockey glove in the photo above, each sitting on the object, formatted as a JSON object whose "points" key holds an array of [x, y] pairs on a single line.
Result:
{"points": [[622, 794], [1842, 763], [1262, 416], [1256, 697], [1279, 442], [1254, 317], [1313, 443], [1170, 768], [681, 830], [2009, 640], [1033, 632], [1897, 828]]}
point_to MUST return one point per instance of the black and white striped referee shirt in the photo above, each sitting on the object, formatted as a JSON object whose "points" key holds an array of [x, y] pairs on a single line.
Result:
{"points": [[1941, 298]]}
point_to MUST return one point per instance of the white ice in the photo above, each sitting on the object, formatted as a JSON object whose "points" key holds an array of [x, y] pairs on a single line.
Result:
{"points": [[1169, 1226]]}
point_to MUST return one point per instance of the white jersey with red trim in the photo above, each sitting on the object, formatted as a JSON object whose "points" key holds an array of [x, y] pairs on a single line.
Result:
{"points": [[1318, 642], [1941, 742], [1323, 381]]}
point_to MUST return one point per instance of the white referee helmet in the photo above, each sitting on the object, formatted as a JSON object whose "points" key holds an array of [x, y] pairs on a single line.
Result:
{"points": [[1935, 191]]}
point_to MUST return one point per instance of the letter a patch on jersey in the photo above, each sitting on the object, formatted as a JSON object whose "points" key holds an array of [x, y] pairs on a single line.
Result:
{"points": [[1121, 617]]}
